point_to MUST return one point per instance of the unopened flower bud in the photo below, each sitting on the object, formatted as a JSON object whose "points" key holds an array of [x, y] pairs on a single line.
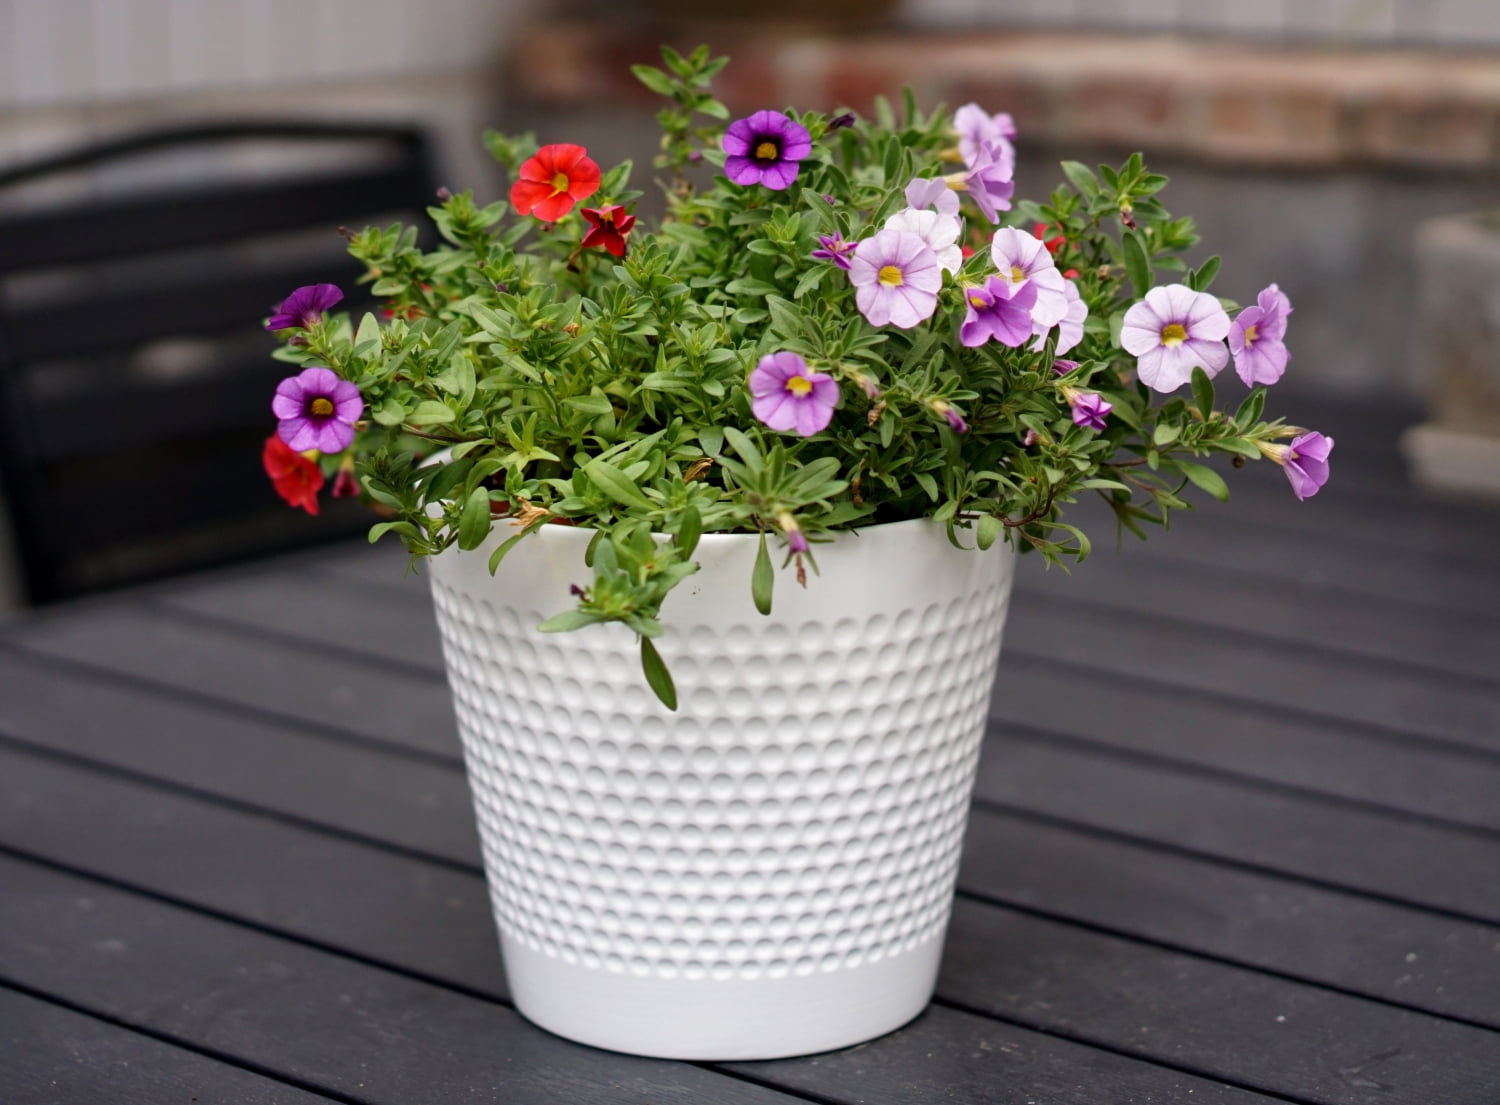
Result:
{"points": [[847, 119], [444, 195], [795, 539]]}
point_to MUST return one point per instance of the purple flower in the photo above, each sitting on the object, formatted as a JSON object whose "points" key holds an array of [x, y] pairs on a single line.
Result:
{"points": [[1062, 367], [847, 119], [978, 128], [1172, 331], [1089, 408], [1255, 339], [765, 148], [1305, 461], [946, 409], [923, 193], [317, 410], [304, 307], [1070, 329], [897, 278], [835, 249], [787, 395], [796, 540], [1000, 311], [1018, 256], [987, 180]]}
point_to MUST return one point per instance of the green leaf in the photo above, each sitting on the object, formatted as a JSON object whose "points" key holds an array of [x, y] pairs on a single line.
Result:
{"points": [[1137, 264], [1203, 393], [657, 674], [430, 412], [1250, 410], [569, 620], [1199, 279], [762, 578], [380, 529], [616, 484], [988, 530], [1081, 177], [688, 531], [506, 545], [1206, 478], [654, 79], [474, 522], [1165, 434]]}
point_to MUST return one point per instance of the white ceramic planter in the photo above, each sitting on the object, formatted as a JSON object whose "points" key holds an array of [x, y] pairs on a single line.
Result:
{"points": [[768, 871]]}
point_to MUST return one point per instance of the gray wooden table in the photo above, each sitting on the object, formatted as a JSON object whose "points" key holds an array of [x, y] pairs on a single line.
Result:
{"points": [[1236, 839]]}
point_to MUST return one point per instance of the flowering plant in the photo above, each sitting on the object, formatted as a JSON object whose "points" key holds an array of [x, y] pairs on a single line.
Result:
{"points": [[853, 322]]}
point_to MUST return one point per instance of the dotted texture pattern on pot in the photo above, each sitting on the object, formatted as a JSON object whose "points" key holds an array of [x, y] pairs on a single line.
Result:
{"points": [[804, 810]]}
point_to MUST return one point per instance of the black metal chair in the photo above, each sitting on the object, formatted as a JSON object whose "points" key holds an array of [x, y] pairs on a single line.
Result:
{"points": [[135, 378]]}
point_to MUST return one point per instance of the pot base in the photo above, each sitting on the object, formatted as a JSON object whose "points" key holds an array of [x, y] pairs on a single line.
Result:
{"points": [[732, 1019]]}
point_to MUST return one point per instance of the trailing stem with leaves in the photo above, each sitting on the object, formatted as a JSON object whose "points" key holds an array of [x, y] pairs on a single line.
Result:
{"points": [[853, 322]]}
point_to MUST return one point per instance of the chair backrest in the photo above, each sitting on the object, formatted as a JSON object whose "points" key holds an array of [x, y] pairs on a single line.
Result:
{"points": [[135, 377]]}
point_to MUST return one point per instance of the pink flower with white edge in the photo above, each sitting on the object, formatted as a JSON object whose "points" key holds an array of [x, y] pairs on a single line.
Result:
{"points": [[977, 127], [1171, 332], [1256, 336], [897, 277], [788, 395], [939, 231], [1017, 257], [1070, 329]]}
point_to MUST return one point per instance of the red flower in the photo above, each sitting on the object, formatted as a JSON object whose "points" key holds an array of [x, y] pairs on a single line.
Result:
{"points": [[610, 225], [553, 181], [1054, 243], [295, 477]]}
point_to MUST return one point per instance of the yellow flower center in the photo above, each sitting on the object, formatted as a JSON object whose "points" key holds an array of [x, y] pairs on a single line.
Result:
{"points": [[767, 151], [1016, 275], [798, 385], [560, 182], [321, 407], [978, 301], [1173, 334], [891, 276], [1252, 335]]}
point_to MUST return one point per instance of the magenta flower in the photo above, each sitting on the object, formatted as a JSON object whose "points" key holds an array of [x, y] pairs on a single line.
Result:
{"points": [[1172, 331], [897, 278], [317, 410], [1000, 311], [988, 182], [787, 395], [1089, 408], [1256, 336], [978, 128], [1018, 256], [765, 148], [1305, 461], [835, 249], [304, 307]]}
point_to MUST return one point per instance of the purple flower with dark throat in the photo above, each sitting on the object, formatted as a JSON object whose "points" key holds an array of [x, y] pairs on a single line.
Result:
{"points": [[304, 307], [999, 311], [1305, 461], [1256, 336], [317, 410], [788, 395], [835, 249], [765, 148]]}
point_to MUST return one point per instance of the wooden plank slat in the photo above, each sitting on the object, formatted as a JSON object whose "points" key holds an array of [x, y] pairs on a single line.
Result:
{"points": [[179, 846], [324, 1020], [402, 710], [1308, 1043], [54, 1056], [377, 792]]}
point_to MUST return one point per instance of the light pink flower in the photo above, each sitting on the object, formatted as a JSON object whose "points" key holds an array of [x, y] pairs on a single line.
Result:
{"points": [[1305, 461], [938, 230], [1018, 256], [1070, 329], [1171, 332], [977, 127], [897, 278], [923, 192], [1256, 336], [788, 395]]}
